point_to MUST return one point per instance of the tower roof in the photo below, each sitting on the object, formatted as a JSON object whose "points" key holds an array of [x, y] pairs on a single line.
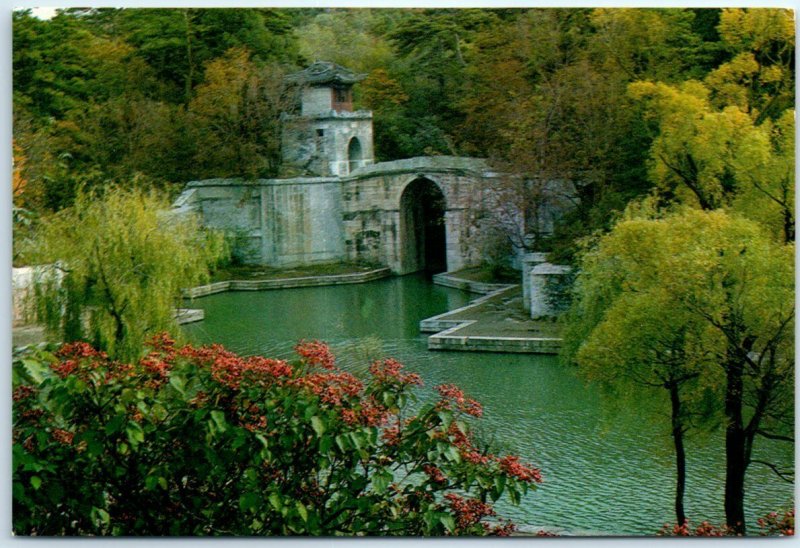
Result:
{"points": [[325, 72]]}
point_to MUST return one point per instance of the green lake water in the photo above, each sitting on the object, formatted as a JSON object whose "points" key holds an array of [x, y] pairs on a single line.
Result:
{"points": [[607, 464]]}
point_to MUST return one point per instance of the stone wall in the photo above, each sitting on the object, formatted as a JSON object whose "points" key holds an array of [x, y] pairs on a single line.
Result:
{"points": [[319, 145], [307, 220], [316, 100], [286, 222]]}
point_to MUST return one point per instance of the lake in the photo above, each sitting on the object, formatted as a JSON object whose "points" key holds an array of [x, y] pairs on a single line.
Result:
{"points": [[607, 462]]}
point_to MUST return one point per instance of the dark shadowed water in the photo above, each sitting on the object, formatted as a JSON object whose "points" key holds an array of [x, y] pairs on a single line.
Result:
{"points": [[607, 464]]}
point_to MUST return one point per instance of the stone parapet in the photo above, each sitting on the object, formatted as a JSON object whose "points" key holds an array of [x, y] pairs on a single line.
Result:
{"points": [[539, 277], [529, 262], [448, 280]]}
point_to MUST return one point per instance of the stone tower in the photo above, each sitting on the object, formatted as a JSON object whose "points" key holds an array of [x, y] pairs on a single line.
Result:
{"points": [[327, 138]]}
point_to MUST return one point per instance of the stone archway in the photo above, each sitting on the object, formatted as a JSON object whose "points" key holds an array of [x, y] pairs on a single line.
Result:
{"points": [[354, 154], [423, 238]]}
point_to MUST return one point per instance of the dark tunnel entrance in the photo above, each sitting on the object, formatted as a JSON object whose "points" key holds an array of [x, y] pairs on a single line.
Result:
{"points": [[424, 243]]}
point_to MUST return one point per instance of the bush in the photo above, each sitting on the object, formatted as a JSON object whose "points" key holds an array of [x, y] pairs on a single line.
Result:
{"points": [[200, 441]]}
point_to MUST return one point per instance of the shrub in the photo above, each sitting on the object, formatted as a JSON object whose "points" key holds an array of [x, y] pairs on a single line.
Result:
{"points": [[773, 524], [201, 441]]}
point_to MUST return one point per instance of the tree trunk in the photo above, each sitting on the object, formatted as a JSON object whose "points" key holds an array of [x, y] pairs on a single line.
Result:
{"points": [[735, 458], [680, 453]]}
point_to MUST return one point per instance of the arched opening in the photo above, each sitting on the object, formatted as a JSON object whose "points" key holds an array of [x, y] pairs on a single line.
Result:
{"points": [[353, 154], [422, 228]]}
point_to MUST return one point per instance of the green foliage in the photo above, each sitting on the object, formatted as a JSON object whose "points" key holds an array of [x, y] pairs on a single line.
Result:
{"points": [[712, 158], [701, 303], [235, 117], [123, 260], [199, 441]]}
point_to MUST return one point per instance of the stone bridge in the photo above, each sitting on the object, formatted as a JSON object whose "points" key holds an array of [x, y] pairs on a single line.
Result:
{"points": [[408, 214]]}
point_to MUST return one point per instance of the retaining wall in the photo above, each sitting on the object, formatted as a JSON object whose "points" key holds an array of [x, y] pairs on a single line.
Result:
{"points": [[286, 283]]}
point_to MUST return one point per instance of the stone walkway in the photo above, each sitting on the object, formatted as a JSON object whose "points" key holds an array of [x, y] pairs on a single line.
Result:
{"points": [[495, 322]]}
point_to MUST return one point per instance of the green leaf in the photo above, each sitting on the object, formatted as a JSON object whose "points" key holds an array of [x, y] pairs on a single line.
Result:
{"points": [[37, 371], [325, 444], [99, 515], [219, 420], [381, 480], [452, 454], [36, 482], [249, 501], [317, 425], [302, 511], [275, 501], [178, 383], [449, 522], [150, 482], [135, 433]]}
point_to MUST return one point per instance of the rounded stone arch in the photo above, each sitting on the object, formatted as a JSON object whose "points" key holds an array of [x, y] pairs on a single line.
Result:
{"points": [[422, 241], [400, 188], [355, 154]]}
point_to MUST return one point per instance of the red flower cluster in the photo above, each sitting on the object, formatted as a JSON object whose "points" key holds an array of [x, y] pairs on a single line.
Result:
{"points": [[468, 512], [260, 369], [775, 523], [349, 416], [79, 349], [391, 435], [512, 466], [451, 394], [372, 413], [316, 353], [389, 370], [80, 359], [65, 368], [705, 529], [330, 387], [161, 342], [256, 421], [161, 358], [63, 436], [230, 370], [465, 447], [506, 529], [435, 474], [23, 392]]}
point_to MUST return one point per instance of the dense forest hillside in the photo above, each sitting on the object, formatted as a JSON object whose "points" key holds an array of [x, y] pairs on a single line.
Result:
{"points": [[159, 97]]}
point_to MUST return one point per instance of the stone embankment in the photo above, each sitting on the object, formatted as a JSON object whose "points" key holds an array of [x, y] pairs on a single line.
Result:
{"points": [[287, 283], [489, 323]]}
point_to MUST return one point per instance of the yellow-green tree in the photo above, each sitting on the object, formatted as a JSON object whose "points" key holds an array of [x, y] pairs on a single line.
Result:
{"points": [[235, 117], [713, 158], [702, 304], [123, 259]]}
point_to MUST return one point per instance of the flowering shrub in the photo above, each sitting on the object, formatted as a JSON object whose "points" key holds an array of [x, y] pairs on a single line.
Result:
{"points": [[201, 441], [777, 523], [773, 524]]}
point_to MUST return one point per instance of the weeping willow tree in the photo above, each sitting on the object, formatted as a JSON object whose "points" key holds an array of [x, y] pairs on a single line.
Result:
{"points": [[120, 259]]}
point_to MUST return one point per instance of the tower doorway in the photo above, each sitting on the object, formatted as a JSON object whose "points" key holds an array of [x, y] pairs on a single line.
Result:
{"points": [[354, 154]]}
